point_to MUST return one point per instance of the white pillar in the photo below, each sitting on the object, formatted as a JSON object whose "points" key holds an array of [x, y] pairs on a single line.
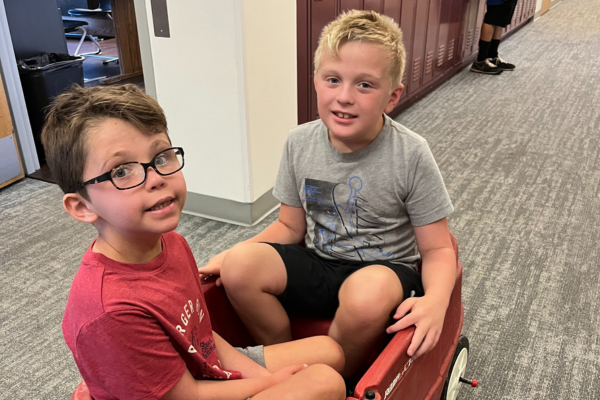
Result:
{"points": [[226, 78]]}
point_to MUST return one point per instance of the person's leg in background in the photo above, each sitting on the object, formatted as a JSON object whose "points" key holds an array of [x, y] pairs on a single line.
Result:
{"points": [[488, 33], [493, 51], [483, 64]]}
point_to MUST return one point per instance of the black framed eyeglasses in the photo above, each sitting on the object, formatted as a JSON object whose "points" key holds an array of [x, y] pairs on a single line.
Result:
{"points": [[133, 174]]}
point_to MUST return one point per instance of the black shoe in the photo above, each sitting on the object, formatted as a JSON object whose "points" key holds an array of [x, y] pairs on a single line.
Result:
{"points": [[485, 67], [498, 62]]}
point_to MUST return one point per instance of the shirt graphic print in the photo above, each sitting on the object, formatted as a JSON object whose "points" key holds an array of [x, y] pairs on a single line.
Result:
{"points": [[346, 226]]}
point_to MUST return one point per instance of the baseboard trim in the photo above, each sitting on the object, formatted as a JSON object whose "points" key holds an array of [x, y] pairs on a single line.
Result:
{"points": [[230, 211]]}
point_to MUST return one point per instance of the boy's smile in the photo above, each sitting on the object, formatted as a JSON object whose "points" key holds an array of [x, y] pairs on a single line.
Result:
{"points": [[140, 214], [353, 91]]}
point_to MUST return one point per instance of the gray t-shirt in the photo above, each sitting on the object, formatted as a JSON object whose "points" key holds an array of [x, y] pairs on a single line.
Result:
{"points": [[362, 205]]}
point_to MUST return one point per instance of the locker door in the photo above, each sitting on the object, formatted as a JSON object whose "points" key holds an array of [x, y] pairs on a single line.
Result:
{"points": [[346, 5], [419, 41], [431, 47], [454, 33], [407, 23], [470, 28], [481, 8], [516, 20], [321, 13], [373, 5], [304, 59], [464, 26], [393, 9], [443, 47]]}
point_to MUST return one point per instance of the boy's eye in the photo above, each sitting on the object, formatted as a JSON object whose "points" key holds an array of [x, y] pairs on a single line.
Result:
{"points": [[333, 80], [161, 159], [121, 172], [365, 85]]}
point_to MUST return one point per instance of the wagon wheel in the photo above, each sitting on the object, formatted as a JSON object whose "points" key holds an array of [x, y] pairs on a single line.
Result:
{"points": [[457, 369]]}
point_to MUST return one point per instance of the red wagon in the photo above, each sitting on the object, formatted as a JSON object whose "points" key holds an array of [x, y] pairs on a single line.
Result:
{"points": [[393, 375]]}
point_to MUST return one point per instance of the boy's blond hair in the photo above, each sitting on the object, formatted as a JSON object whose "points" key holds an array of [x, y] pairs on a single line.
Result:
{"points": [[367, 26], [73, 114]]}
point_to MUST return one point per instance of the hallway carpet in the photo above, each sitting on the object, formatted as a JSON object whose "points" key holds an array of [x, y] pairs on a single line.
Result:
{"points": [[520, 154]]}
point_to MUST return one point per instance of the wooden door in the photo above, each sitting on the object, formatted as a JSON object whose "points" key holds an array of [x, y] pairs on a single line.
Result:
{"points": [[546, 6], [130, 59], [11, 169]]}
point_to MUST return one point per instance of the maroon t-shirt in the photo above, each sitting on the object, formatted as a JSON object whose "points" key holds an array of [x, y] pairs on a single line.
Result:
{"points": [[134, 328]]}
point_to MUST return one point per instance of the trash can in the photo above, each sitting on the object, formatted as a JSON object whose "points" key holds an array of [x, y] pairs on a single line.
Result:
{"points": [[43, 78]]}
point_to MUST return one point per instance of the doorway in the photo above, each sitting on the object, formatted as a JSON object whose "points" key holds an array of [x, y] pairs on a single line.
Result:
{"points": [[113, 26]]}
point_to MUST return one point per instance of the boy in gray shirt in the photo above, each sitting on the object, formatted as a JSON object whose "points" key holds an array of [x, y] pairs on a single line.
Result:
{"points": [[365, 195]]}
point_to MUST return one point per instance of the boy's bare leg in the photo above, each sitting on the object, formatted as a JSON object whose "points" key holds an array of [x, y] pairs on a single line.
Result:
{"points": [[498, 30], [316, 382], [253, 274], [313, 350], [487, 32], [367, 299]]}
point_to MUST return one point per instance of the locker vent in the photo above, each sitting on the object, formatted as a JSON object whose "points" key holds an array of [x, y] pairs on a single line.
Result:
{"points": [[469, 40], [429, 62], [451, 49], [416, 69], [441, 54]]}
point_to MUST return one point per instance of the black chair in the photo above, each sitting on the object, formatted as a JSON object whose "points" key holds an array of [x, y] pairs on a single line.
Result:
{"points": [[70, 26]]}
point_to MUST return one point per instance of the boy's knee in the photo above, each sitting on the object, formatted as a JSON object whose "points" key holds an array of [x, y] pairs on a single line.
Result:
{"points": [[253, 266], [331, 352], [237, 265], [372, 297], [326, 381]]}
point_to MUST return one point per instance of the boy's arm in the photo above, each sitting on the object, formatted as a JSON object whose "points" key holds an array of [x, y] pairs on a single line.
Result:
{"points": [[188, 388], [439, 275], [289, 228], [232, 359]]}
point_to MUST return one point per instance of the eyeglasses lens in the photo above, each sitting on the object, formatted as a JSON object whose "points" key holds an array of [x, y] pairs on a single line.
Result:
{"points": [[129, 175]]}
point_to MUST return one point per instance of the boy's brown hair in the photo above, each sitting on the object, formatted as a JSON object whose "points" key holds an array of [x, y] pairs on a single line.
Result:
{"points": [[370, 27], [73, 114]]}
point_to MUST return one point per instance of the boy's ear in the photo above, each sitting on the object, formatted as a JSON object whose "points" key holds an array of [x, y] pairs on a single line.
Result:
{"points": [[394, 98], [78, 208]]}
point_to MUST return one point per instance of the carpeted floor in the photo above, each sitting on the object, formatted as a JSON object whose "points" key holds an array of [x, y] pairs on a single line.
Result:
{"points": [[520, 155]]}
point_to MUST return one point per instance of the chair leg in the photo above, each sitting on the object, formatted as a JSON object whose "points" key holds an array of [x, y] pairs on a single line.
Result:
{"points": [[83, 35], [98, 51]]}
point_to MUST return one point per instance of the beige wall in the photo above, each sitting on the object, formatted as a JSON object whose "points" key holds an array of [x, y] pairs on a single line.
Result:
{"points": [[269, 47], [227, 81]]}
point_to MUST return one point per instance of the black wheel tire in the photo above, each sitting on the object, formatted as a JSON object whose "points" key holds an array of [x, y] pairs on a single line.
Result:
{"points": [[463, 343]]}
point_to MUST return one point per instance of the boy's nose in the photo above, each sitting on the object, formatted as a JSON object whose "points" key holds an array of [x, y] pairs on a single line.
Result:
{"points": [[154, 179], [345, 95]]}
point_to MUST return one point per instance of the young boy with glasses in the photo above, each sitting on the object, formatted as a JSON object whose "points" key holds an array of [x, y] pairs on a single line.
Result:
{"points": [[135, 319]]}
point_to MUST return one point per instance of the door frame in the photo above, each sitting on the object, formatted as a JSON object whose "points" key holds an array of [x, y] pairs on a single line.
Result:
{"points": [[16, 100], [546, 4]]}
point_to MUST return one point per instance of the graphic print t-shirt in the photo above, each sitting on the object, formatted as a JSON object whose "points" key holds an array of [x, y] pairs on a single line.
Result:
{"points": [[362, 206], [134, 328]]}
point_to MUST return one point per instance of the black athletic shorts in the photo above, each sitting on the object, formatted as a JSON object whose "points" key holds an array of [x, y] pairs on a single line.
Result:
{"points": [[500, 15], [313, 282]]}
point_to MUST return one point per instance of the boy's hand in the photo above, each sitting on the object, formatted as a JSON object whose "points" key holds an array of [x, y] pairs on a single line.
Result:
{"points": [[427, 314], [285, 373], [213, 267]]}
